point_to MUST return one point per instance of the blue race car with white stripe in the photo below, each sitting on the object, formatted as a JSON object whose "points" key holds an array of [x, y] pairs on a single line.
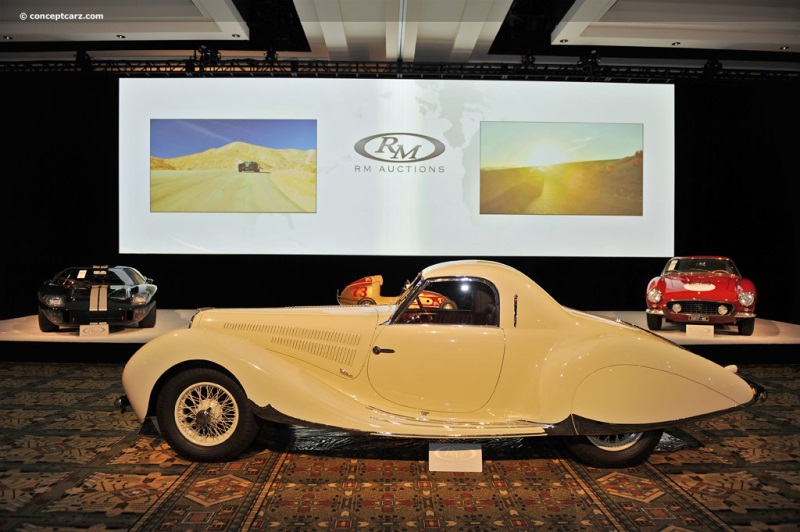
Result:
{"points": [[80, 295]]}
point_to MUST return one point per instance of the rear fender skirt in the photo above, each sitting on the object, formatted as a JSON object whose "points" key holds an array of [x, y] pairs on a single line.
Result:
{"points": [[581, 426]]}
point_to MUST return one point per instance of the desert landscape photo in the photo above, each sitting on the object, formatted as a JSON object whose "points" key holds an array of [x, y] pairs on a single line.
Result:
{"points": [[235, 176], [570, 170]]}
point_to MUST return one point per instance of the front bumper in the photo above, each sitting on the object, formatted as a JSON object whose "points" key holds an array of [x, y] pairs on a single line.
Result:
{"points": [[75, 317], [699, 315]]}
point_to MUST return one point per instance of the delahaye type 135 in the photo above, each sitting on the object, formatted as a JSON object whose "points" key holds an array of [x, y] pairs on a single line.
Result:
{"points": [[507, 361]]}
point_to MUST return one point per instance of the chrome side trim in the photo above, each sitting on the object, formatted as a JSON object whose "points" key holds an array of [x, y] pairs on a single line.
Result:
{"points": [[516, 300]]}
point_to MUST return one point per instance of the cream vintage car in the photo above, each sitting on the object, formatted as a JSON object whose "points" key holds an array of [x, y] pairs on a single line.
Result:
{"points": [[509, 361]]}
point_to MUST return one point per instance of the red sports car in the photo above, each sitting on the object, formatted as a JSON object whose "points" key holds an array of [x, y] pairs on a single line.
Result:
{"points": [[702, 290]]}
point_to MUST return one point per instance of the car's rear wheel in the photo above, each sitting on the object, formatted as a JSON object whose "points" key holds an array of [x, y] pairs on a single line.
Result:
{"points": [[204, 416], [46, 325], [366, 301], [448, 304], [747, 326], [149, 321], [654, 322], [614, 450]]}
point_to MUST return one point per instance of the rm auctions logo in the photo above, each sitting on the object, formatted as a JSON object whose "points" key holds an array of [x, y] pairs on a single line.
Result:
{"points": [[399, 147]]}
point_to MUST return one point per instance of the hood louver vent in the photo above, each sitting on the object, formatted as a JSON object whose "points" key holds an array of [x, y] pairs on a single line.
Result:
{"points": [[332, 346]]}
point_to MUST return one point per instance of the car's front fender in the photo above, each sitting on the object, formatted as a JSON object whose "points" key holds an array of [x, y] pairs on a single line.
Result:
{"points": [[268, 378], [255, 368]]}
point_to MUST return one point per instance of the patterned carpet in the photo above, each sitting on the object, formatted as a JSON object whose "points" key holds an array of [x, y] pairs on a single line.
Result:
{"points": [[70, 461]]}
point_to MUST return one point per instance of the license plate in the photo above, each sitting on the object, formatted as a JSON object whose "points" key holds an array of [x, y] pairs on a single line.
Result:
{"points": [[698, 318]]}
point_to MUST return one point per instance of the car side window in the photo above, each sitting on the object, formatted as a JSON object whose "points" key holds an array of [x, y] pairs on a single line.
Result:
{"points": [[454, 302]]}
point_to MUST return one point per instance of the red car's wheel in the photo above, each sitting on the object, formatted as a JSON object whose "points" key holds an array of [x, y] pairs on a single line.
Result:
{"points": [[448, 304], [747, 326], [654, 322]]}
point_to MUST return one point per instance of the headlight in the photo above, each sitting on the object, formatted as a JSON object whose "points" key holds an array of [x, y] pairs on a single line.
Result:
{"points": [[654, 295], [54, 301], [141, 298], [747, 298], [722, 309], [676, 307]]}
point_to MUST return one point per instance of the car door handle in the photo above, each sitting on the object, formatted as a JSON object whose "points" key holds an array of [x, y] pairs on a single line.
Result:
{"points": [[377, 350]]}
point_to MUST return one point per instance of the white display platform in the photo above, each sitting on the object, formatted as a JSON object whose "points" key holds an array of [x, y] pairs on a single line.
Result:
{"points": [[766, 331], [26, 329]]}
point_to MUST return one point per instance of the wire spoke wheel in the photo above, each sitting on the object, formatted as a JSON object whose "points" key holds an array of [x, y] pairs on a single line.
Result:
{"points": [[206, 413], [626, 449], [615, 442]]}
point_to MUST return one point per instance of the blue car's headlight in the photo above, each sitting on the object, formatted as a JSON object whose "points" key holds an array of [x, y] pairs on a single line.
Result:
{"points": [[141, 298], [54, 300]]}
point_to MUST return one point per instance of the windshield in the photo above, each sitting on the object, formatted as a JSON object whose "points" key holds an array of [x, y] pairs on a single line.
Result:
{"points": [[87, 276], [701, 265]]}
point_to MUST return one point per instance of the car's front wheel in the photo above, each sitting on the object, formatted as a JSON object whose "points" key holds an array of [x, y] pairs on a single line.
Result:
{"points": [[616, 450], [747, 326], [149, 321], [204, 416], [654, 322], [46, 325]]}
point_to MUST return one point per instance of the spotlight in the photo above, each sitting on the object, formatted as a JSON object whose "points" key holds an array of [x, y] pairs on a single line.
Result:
{"points": [[208, 56], [83, 61], [590, 61], [528, 60], [712, 67]]}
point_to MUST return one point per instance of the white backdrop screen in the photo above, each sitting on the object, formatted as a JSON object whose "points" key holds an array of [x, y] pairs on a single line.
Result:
{"points": [[395, 167]]}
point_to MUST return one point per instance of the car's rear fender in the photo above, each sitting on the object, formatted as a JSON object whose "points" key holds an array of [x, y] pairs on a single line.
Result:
{"points": [[630, 380]]}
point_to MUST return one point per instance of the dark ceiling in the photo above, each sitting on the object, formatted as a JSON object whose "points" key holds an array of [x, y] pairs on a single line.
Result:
{"points": [[761, 34]]}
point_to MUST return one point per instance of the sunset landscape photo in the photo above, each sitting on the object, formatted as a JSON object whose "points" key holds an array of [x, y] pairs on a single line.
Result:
{"points": [[205, 165], [543, 168]]}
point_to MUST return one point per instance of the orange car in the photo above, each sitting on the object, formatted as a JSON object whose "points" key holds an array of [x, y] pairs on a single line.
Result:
{"points": [[367, 291]]}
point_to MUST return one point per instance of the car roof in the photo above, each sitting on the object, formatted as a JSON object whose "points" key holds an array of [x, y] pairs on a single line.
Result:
{"points": [[473, 267], [529, 301], [98, 267], [719, 257]]}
